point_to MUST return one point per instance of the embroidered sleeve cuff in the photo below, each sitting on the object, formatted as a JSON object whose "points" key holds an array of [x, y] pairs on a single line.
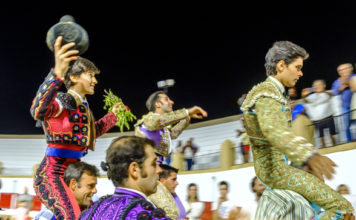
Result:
{"points": [[305, 163], [113, 115], [56, 76]]}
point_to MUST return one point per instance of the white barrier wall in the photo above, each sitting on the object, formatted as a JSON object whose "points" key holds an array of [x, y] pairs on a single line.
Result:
{"points": [[239, 180]]}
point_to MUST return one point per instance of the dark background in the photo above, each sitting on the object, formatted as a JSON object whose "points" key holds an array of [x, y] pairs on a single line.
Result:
{"points": [[214, 56]]}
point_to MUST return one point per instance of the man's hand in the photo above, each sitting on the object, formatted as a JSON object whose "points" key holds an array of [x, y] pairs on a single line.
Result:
{"points": [[120, 106], [197, 112], [63, 56], [305, 92], [320, 166]]}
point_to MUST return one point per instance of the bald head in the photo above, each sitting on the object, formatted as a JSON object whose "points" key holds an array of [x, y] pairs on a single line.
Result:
{"points": [[345, 70]]}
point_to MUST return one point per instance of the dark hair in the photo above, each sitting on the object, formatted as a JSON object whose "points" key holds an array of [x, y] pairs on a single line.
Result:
{"points": [[121, 153], [166, 171], [152, 99], [78, 67], [253, 183], [283, 50], [190, 185], [224, 183], [341, 185], [76, 170]]}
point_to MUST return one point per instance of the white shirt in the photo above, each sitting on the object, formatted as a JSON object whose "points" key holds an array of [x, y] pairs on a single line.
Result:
{"points": [[194, 209], [224, 209], [318, 106], [188, 153], [80, 98], [279, 84]]}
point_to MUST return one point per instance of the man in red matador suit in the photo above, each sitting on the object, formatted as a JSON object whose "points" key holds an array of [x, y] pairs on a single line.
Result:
{"points": [[68, 124]]}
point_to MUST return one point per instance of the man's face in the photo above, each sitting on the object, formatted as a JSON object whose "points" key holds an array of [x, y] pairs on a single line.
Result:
{"points": [[344, 70], [289, 75], [319, 86], [164, 104], [148, 176], [85, 189], [223, 190], [171, 182], [258, 187], [85, 83]]}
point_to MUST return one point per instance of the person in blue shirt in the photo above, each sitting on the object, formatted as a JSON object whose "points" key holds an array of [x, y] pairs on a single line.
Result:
{"points": [[341, 87]]}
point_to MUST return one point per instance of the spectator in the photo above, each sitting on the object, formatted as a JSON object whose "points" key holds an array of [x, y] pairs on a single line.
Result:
{"points": [[189, 151], [341, 87], [131, 164], [81, 179], [178, 148], [292, 93], [23, 206], [319, 109], [240, 101], [166, 197], [353, 107], [222, 208], [25, 200], [245, 142], [193, 207]]}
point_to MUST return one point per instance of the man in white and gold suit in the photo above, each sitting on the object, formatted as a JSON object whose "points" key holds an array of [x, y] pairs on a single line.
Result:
{"points": [[162, 124], [268, 117]]}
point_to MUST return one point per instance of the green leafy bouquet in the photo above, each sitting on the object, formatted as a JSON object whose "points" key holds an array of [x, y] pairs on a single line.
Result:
{"points": [[123, 114]]}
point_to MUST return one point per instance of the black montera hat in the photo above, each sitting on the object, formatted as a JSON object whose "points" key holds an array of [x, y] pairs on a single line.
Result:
{"points": [[71, 32]]}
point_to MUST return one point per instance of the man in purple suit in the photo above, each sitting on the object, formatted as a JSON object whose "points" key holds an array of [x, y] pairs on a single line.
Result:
{"points": [[131, 164]]}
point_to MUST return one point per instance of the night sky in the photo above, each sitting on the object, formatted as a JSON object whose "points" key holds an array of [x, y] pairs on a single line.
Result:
{"points": [[214, 58]]}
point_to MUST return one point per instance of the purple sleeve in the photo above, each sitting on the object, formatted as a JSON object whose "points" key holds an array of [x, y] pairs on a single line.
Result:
{"points": [[122, 208]]}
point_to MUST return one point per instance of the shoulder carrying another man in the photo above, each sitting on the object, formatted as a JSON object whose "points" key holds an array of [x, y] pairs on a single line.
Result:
{"points": [[81, 179], [166, 197]]}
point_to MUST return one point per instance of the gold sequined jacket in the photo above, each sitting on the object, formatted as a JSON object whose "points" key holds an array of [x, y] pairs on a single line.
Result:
{"points": [[162, 128], [267, 117]]}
